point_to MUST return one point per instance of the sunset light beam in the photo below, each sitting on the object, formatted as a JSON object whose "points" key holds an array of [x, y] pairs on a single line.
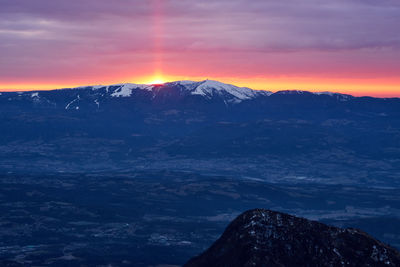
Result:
{"points": [[158, 29]]}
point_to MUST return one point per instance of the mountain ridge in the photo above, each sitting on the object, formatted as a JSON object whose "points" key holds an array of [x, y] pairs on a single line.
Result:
{"points": [[168, 93], [195, 87]]}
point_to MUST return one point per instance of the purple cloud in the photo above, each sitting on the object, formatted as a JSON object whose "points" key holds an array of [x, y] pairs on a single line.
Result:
{"points": [[43, 37]]}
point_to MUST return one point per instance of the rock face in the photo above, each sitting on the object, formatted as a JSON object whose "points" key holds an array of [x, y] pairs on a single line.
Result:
{"points": [[267, 238]]}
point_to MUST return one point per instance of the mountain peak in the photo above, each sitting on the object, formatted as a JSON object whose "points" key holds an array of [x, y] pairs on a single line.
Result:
{"points": [[237, 94], [266, 238], [210, 87]]}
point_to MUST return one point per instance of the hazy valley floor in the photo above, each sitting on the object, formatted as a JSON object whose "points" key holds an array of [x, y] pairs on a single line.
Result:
{"points": [[150, 218]]}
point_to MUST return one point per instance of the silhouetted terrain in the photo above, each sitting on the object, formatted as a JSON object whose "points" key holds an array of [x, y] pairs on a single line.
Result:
{"points": [[267, 238], [151, 174], [151, 218]]}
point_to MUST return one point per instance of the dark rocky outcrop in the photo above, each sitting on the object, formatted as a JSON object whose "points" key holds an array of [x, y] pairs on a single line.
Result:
{"points": [[266, 238]]}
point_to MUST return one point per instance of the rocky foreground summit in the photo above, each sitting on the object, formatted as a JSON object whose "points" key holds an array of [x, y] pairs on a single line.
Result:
{"points": [[266, 238]]}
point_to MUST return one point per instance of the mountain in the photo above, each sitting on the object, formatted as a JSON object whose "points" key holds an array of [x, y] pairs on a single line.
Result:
{"points": [[192, 95], [207, 89], [267, 238], [205, 126]]}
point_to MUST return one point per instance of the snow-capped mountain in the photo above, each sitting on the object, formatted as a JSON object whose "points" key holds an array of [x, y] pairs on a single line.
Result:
{"points": [[207, 90], [210, 88]]}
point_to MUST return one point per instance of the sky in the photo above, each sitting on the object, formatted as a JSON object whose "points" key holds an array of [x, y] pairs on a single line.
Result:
{"points": [[348, 46]]}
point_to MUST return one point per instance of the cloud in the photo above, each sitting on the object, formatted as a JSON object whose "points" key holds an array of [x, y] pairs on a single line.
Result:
{"points": [[45, 34]]}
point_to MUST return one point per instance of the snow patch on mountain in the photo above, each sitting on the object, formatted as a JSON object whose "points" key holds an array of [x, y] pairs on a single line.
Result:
{"points": [[125, 90], [325, 93], [35, 97], [68, 106], [122, 89], [210, 88]]}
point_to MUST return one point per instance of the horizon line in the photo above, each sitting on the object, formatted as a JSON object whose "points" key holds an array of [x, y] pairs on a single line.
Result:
{"points": [[27, 90]]}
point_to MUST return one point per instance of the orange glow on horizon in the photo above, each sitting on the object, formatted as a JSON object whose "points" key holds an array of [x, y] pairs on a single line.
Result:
{"points": [[356, 87]]}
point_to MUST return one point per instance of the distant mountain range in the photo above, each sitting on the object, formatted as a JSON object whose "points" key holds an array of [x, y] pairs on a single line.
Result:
{"points": [[267, 238], [208, 89], [203, 126]]}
